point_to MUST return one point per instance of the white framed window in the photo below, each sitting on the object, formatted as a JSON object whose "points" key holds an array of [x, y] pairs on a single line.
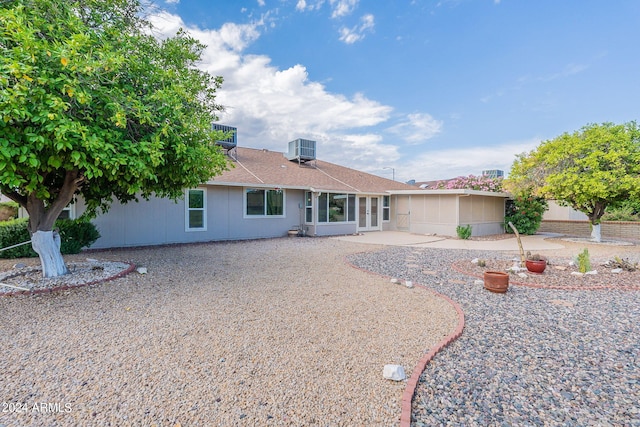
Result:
{"points": [[333, 207], [386, 208], [69, 212], [196, 209], [260, 202], [308, 207]]}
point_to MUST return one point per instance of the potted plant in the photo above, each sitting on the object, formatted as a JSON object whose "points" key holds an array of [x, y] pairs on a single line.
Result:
{"points": [[496, 281], [535, 263]]}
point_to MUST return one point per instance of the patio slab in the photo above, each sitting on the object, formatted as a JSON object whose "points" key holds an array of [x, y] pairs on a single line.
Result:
{"points": [[536, 242]]}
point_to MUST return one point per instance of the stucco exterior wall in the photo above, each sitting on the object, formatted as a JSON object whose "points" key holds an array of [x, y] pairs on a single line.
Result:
{"points": [[484, 214], [562, 213], [442, 213]]}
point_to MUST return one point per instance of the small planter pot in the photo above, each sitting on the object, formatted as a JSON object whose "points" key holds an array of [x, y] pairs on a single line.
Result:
{"points": [[536, 266], [496, 281]]}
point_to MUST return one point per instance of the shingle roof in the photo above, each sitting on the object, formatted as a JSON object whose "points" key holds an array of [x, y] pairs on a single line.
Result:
{"points": [[264, 168]]}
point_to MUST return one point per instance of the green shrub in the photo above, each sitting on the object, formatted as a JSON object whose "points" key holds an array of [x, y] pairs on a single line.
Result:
{"points": [[464, 232], [627, 210], [525, 212], [14, 232], [624, 213], [75, 234]]}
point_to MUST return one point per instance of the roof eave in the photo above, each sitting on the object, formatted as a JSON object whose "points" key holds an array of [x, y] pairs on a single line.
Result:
{"points": [[315, 189], [459, 192]]}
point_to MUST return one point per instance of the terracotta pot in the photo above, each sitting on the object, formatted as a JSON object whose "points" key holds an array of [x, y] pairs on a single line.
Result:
{"points": [[496, 281], [536, 266]]}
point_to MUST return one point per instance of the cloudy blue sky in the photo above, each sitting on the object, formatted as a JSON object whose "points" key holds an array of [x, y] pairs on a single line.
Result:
{"points": [[432, 88]]}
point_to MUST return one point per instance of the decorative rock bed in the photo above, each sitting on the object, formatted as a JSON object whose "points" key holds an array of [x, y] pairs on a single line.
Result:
{"points": [[561, 351], [559, 274], [28, 279]]}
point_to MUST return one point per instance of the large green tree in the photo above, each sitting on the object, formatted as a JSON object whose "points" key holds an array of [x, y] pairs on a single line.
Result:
{"points": [[589, 170], [91, 104]]}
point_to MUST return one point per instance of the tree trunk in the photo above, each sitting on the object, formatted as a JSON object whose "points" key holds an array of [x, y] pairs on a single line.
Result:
{"points": [[596, 236], [47, 246], [594, 215]]}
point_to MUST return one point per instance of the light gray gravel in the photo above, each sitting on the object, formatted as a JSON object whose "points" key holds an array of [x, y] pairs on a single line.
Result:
{"points": [[29, 277], [530, 357], [273, 332]]}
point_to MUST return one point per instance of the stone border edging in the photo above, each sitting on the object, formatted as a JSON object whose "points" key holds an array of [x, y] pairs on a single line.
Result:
{"points": [[123, 273], [412, 382], [552, 287]]}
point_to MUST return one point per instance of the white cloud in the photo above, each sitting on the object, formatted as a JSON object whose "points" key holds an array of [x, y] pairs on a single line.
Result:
{"points": [[357, 33], [231, 36], [417, 128], [172, 1], [342, 7], [302, 5], [569, 70], [444, 164], [272, 106]]}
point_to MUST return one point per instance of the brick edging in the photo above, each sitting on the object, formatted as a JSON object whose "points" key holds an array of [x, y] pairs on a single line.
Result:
{"points": [[67, 287], [552, 287], [412, 382], [410, 389]]}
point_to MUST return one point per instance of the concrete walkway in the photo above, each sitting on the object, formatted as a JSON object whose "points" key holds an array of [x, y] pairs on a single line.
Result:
{"points": [[399, 238]]}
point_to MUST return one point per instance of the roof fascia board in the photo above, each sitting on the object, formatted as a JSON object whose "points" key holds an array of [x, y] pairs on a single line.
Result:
{"points": [[466, 192], [293, 187]]}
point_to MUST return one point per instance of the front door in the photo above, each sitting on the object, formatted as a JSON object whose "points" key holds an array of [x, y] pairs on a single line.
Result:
{"points": [[368, 213]]}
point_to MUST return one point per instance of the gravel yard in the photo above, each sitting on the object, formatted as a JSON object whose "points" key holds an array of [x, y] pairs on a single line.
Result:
{"points": [[535, 357], [271, 332]]}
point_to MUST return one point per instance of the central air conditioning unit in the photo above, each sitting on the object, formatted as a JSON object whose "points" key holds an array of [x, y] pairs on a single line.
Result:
{"points": [[302, 150], [229, 142]]}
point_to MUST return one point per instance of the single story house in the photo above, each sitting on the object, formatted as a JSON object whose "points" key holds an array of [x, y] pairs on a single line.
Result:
{"points": [[268, 194]]}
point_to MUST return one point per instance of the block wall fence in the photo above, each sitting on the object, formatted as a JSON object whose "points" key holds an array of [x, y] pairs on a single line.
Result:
{"points": [[610, 229]]}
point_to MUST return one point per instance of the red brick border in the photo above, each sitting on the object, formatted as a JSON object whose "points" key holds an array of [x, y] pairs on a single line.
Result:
{"points": [[79, 285], [410, 389], [412, 382]]}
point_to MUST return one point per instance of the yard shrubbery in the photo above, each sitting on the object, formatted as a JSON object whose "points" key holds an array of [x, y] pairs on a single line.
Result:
{"points": [[471, 182], [464, 232], [629, 210], [74, 233], [525, 212]]}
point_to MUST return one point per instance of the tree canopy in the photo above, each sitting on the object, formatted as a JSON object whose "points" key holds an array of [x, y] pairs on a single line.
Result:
{"points": [[92, 104], [590, 169]]}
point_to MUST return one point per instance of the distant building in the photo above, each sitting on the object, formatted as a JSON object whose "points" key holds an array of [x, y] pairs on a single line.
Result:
{"points": [[493, 173]]}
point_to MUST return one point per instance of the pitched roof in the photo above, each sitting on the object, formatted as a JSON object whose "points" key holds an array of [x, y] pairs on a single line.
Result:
{"points": [[264, 168]]}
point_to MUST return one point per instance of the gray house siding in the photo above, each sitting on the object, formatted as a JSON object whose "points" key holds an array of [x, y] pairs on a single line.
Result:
{"points": [[334, 229], [162, 221], [152, 222]]}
